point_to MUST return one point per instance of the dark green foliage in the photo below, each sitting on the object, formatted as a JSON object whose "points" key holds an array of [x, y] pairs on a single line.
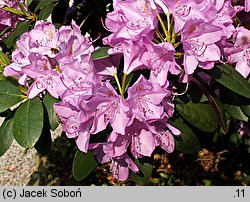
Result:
{"points": [[6, 134], [146, 168], [83, 165], [187, 142]]}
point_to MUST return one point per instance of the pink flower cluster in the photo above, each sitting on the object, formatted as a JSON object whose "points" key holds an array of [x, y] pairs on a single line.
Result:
{"points": [[162, 37], [8, 19], [59, 61], [204, 28]]}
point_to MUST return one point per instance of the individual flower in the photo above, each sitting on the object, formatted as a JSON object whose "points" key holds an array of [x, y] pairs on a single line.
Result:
{"points": [[199, 45], [159, 58], [129, 21], [224, 16], [132, 52], [44, 74], [78, 78], [44, 39], [76, 122], [120, 167], [142, 140], [239, 52], [164, 135], [72, 44], [115, 151], [145, 99], [109, 109], [241, 37], [242, 59], [183, 11], [20, 59]]}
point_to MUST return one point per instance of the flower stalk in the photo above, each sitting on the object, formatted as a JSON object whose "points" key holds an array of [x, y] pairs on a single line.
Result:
{"points": [[119, 85]]}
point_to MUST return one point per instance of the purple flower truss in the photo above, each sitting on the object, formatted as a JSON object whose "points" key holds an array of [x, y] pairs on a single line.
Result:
{"points": [[59, 61]]}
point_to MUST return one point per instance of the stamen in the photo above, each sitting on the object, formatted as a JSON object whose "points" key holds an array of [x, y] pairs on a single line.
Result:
{"points": [[198, 48], [182, 10], [142, 104]]}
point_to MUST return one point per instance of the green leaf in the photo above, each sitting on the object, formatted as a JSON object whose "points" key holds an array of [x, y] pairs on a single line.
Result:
{"points": [[213, 100], [83, 164], [1, 76], [13, 10], [46, 11], [235, 112], [21, 6], [146, 168], [235, 138], [9, 95], [246, 110], [49, 102], [6, 134], [200, 115], [44, 3], [230, 78], [20, 29], [220, 111], [187, 142], [43, 145], [3, 59], [28, 123], [100, 53]]}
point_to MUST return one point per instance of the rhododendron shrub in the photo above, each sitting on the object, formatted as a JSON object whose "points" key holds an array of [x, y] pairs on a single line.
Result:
{"points": [[165, 72]]}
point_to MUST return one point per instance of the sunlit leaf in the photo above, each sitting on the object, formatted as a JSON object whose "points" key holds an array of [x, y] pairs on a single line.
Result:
{"points": [[13, 10], [100, 53], [44, 3], [46, 11], [28, 123], [9, 95], [3, 59]]}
